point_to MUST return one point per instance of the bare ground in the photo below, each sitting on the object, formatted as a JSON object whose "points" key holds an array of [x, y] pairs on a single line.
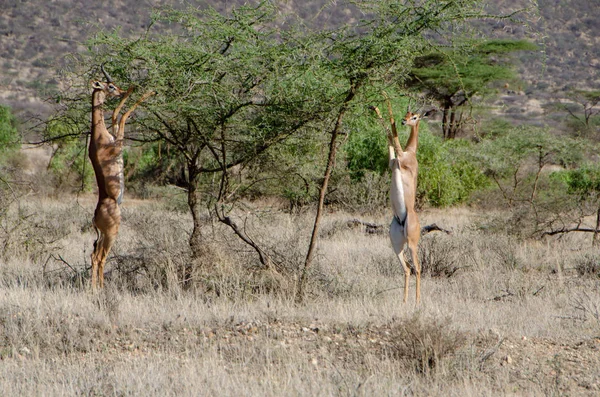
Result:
{"points": [[521, 366]]}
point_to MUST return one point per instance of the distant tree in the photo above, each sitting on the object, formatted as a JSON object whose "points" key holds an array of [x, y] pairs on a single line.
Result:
{"points": [[515, 161], [454, 78], [585, 110]]}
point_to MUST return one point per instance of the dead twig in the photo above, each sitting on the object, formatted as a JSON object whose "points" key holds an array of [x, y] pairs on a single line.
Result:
{"points": [[506, 294], [370, 228], [569, 230], [490, 353], [433, 228]]}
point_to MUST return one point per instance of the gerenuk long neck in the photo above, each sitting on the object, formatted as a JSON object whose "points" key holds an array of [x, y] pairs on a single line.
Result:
{"points": [[97, 113], [413, 138]]}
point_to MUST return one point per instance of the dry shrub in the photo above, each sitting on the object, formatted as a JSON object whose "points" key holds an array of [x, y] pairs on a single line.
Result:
{"points": [[278, 235], [363, 195], [57, 272], [586, 307], [148, 269], [219, 273], [506, 250], [28, 232], [438, 256], [153, 254], [161, 265], [517, 221], [388, 266], [152, 250], [588, 265], [232, 269], [424, 344]]}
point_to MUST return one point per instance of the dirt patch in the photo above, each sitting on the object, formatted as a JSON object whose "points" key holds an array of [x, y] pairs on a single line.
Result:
{"points": [[568, 368]]}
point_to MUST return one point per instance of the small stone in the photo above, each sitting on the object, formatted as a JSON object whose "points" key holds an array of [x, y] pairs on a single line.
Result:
{"points": [[507, 360], [25, 351]]}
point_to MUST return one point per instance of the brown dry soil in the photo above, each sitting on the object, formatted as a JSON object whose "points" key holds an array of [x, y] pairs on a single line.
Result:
{"points": [[566, 368], [569, 368]]}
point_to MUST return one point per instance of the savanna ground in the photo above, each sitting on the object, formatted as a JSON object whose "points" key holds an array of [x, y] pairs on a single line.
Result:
{"points": [[498, 316]]}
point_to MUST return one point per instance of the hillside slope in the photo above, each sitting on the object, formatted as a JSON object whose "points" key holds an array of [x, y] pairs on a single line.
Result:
{"points": [[36, 35]]}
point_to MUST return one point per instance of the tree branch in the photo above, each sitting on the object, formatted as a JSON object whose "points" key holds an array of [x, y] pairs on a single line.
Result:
{"points": [[569, 230]]}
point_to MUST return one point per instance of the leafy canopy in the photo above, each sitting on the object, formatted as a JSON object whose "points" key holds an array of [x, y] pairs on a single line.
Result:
{"points": [[444, 73]]}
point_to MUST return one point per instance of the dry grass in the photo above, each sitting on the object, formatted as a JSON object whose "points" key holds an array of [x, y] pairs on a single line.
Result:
{"points": [[514, 318]]}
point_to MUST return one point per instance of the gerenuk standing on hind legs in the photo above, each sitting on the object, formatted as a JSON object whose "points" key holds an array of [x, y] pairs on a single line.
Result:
{"points": [[405, 227], [106, 154]]}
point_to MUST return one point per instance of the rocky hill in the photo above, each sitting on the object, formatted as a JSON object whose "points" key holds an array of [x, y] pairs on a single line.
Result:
{"points": [[36, 35]]}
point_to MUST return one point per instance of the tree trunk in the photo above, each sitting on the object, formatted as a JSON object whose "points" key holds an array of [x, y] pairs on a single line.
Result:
{"points": [[264, 258], [595, 239], [323, 190], [445, 122], [453, 127], [196, 240]]}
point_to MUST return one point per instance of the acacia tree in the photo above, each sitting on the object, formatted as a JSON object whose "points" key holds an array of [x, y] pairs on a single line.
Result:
{"points": [[587, 109], [454, 78], [225, 95], [228, 87]]}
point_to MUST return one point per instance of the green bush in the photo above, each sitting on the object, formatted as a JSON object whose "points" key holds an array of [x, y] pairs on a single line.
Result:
{"points": [[9, 143], [71, 167], [583, 181], [69, 163], [366, 149], [448, 173], [9, 137], [517, 161]]}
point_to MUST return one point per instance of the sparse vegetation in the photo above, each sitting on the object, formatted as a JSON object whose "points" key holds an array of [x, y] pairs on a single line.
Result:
{"points": [[246, 333]]}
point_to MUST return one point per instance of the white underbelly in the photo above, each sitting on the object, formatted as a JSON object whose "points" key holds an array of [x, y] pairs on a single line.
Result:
{"points": [[397, 195]]}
